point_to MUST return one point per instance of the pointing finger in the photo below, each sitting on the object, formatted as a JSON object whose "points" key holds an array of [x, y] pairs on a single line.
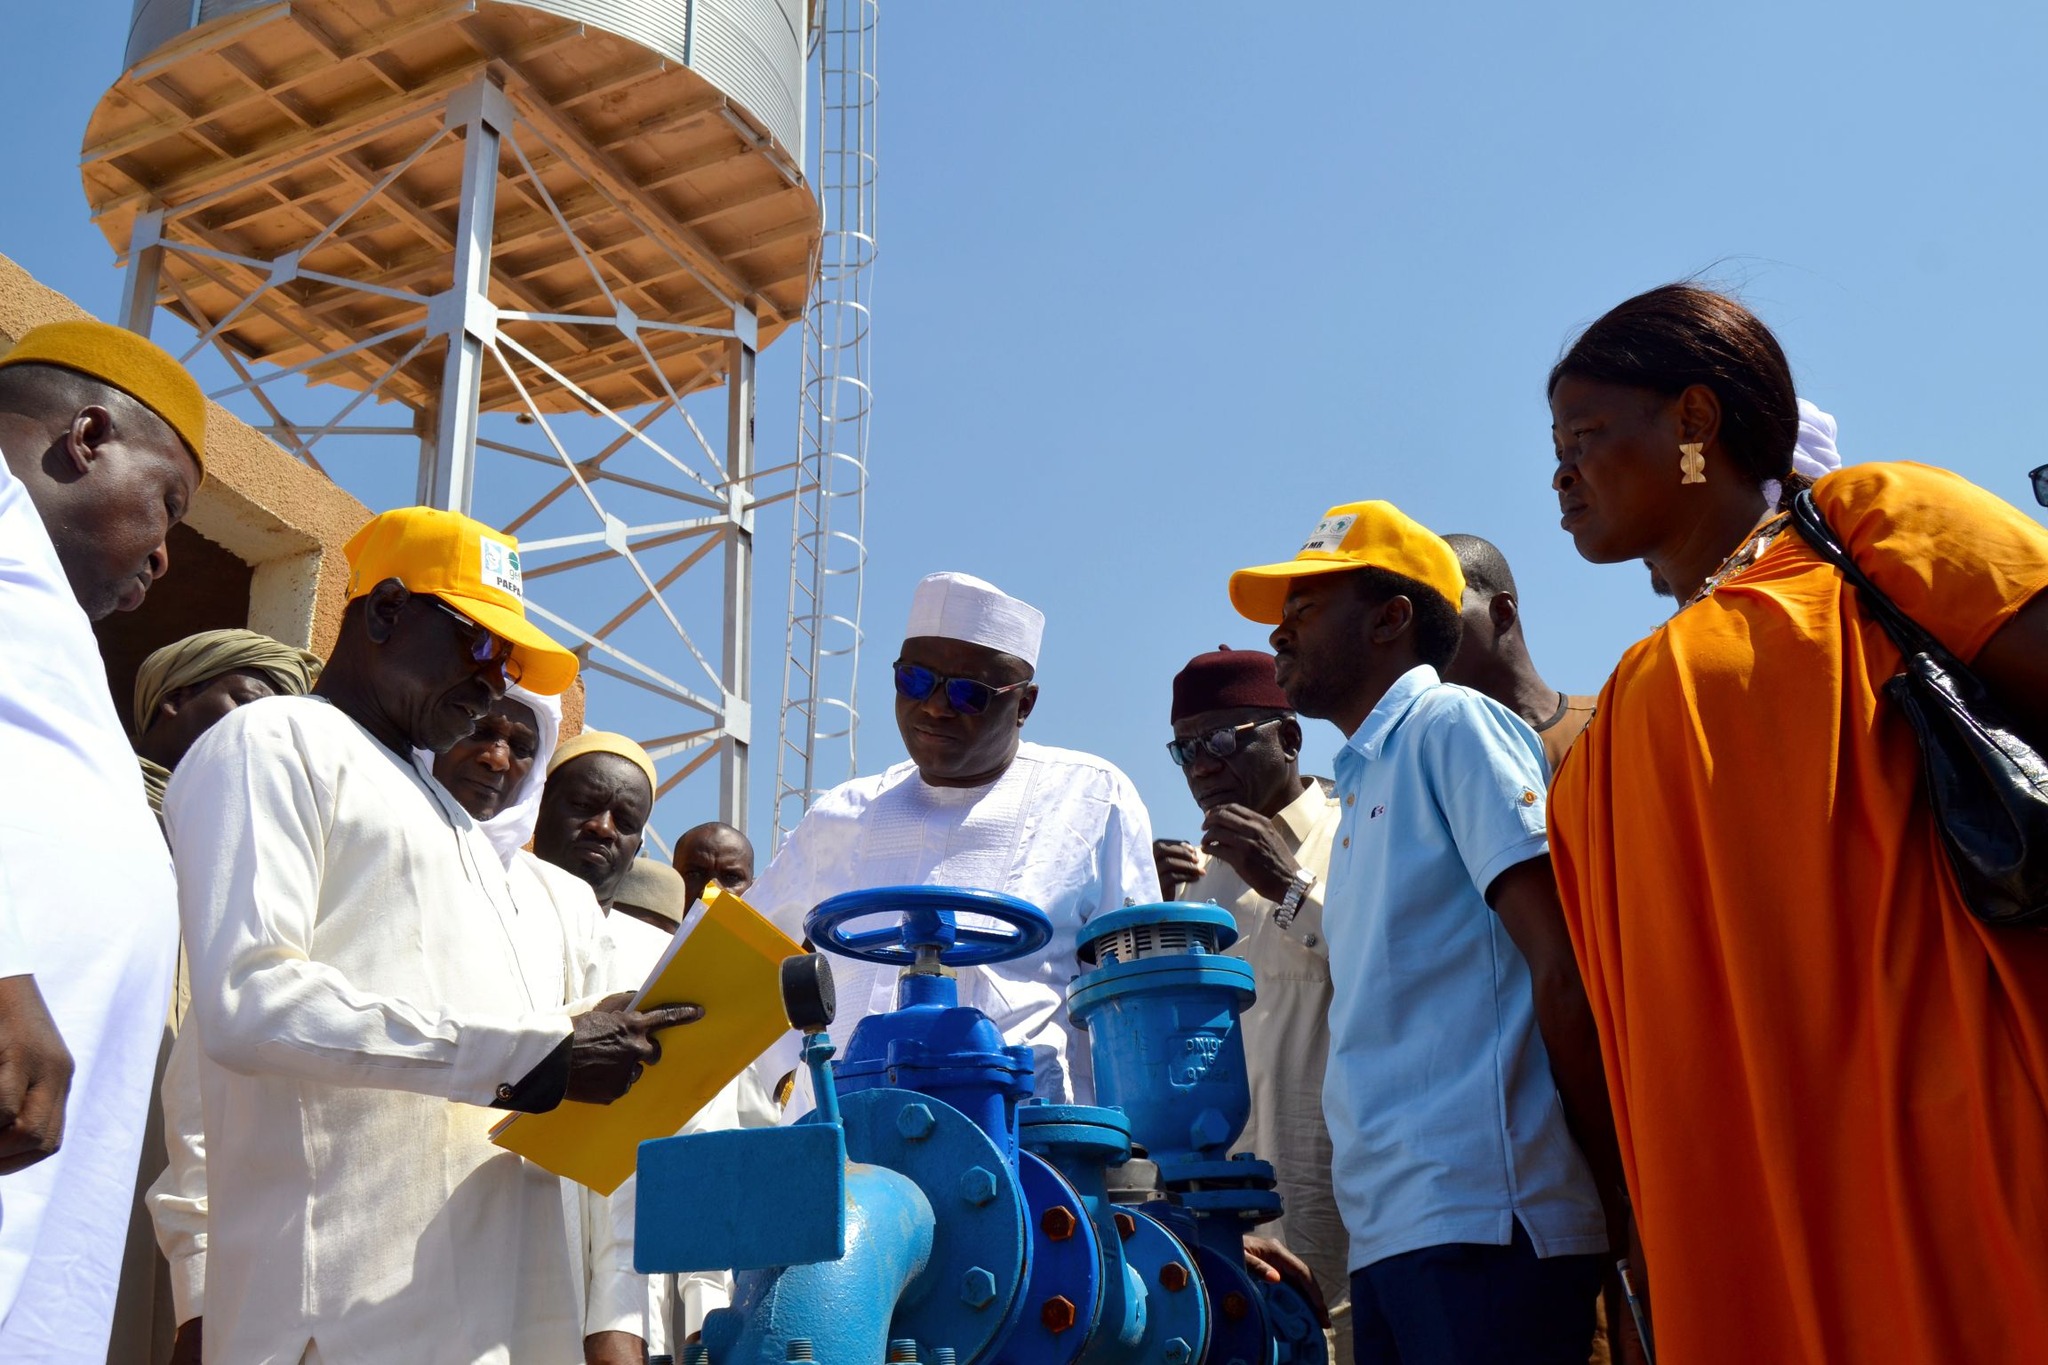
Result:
{"points": [[668, 1016]]}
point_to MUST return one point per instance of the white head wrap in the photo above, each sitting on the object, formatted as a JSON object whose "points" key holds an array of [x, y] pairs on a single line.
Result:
{"points": [[958, 606], [512, 826], [1816, 454]]}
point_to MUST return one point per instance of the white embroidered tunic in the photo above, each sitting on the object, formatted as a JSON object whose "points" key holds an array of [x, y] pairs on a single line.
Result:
{"points": [[1062, 830]]}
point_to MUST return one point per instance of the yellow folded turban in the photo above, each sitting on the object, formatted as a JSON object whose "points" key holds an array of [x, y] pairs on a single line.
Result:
{"points": [[203, 657], [605, 742], [131, 363]]}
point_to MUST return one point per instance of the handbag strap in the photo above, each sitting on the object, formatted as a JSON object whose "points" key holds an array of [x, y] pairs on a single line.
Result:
{"points": [[1909, 635]]}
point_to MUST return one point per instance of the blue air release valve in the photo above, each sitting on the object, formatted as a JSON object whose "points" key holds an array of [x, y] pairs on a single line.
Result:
{"points": [[927, 927], [926, 1212]]}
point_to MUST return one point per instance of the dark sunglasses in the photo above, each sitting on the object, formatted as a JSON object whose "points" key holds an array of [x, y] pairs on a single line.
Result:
{"points": [[484, 646], [965, 695], [1217, 743], [2040, 478]]}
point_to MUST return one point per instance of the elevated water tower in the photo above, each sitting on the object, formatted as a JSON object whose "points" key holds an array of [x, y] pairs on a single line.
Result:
{"points": [[518, 238]]}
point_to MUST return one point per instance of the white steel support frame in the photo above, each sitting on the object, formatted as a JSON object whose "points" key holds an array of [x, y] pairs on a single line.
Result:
{"points": [[701, 496], [828, 540], [448, 466]]}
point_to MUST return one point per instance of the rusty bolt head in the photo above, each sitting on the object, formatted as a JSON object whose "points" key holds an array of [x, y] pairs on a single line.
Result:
{"points": [[915, 1122], [1126, 1226], [1177, 1352], [978, 1186], [977, 1288], [1234, 1306], [1058, 1223], [1173, 1277], [1057, 1313]]}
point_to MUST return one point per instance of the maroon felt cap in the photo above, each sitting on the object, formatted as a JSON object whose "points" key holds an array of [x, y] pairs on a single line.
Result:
{"points": [[1224, 679]]}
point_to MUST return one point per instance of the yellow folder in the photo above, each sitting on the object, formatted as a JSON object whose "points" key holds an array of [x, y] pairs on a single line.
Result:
{"points": [[730, 965]]}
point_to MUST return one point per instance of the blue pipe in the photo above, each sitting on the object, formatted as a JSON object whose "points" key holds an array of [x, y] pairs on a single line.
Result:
{"points": [[841, 1308]]}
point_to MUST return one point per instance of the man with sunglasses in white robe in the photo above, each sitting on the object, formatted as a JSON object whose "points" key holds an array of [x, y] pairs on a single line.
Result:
{"points": [[975, 806]]}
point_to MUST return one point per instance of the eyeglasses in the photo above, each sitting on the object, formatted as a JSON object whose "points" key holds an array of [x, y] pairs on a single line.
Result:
{"points": [[485, 647], [965, 695], [2040, 478], [1217, 743]]}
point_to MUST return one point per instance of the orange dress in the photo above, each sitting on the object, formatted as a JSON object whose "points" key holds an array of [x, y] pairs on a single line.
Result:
{"points": [[1830, 1082]]}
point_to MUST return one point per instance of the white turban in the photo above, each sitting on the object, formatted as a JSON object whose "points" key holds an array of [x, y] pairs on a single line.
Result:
{"points": [[958, 606], [512, 826], [1816, 454]]}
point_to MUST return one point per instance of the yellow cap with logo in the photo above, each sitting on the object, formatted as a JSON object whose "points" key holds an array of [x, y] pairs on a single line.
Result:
{"points": [[1355, 535], [472, 568]]}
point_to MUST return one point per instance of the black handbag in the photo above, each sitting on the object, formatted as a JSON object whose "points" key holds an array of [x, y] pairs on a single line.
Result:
{"points": [[1988, 787]]}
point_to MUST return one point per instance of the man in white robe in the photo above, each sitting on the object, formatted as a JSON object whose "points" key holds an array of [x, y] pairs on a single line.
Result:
{"points": [[102, 434], [368, 990], [975, 806], [592, 822], [496, 775]]}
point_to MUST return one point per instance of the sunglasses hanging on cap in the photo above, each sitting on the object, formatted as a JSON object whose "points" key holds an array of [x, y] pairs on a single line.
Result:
{"points": [[965, 695], [484, 647], [1217, 743]]}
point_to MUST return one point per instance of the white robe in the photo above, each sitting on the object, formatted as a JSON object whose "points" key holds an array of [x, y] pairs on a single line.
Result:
{"points": [[364, 983], [88, 907], [742, 1104], [610, 1292], [1062, 830]]}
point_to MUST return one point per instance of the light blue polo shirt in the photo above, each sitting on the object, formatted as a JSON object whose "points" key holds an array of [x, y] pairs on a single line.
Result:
{"points": [[1444, 1121]]}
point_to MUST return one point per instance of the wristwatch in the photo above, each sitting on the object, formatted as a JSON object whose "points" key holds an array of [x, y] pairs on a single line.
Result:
{"points": [[1290, 904]]}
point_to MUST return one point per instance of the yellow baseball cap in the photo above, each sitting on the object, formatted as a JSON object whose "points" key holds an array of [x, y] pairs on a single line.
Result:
{"points": [[1355, 535], [129, 362], [470, 567]]}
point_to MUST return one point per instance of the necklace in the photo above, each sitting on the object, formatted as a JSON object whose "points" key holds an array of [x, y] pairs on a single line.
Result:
{"points": [[1746, 554]]}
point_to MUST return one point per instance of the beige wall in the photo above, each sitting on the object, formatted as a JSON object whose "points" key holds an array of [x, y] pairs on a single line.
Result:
{"points": [[280, 517]]}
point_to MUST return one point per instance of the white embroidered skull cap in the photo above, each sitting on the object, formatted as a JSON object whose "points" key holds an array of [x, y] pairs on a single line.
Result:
{"points": [[958, 606]]}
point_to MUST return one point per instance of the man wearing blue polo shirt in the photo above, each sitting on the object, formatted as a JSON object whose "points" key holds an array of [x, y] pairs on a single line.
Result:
{"points": [[1463, 1059]]}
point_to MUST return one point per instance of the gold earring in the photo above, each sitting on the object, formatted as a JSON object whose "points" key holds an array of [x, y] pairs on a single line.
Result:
{"points": [[1691, 463]]}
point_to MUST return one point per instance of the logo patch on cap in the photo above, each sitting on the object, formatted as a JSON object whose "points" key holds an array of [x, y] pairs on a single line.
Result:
{"points": [[501, 567], [1329, 533]]}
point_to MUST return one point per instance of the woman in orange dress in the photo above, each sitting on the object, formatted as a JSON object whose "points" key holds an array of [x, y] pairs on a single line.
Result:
{"points": [[1830, 1083]]}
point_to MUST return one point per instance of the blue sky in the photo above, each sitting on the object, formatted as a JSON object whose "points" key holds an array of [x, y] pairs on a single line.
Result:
{"points": [[1158, 283]]}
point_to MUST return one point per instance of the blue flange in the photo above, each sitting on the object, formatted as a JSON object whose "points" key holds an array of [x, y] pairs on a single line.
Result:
{"points": [[969, 1294], [1064, 1297], [1297, 1335], [1177, 1308], [1239, 1335]]}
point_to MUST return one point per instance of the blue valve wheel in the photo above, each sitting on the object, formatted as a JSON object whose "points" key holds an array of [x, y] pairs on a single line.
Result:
{"points": [[927, 917]]}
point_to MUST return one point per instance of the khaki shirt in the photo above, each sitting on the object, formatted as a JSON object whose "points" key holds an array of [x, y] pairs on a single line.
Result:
{"points": [[1287, 1041]]}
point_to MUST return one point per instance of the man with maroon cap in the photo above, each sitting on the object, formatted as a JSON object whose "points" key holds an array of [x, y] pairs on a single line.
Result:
{"points": [[1265, 851]]}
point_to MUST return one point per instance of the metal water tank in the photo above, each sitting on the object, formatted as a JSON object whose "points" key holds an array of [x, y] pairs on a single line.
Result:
{"points": [[753, 50], [668, 133]]}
